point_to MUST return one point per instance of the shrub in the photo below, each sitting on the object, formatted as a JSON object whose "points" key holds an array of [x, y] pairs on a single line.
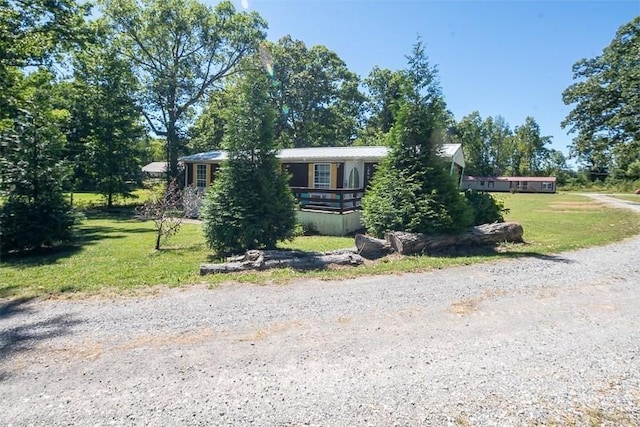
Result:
{"points": [[486, 208], [27, 225]]}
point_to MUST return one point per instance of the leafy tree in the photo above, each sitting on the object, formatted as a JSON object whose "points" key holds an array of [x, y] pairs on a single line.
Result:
{"points": [[470, 132], [488, 144], [249, 205], [316, 94], [34, 212], [606, 103], [385, 91], [555, 164], [530, 151], [32, 33], [412, 190], [208, 131], [180, 50], [107, 121]]}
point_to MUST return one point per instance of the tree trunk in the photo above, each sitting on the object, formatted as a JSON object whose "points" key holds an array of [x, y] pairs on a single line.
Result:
{"points": [[264, 260], [372, 248], [486, 234]]}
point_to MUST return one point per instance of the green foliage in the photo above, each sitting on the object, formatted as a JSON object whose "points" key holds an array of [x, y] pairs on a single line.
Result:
{"points": [[316, 96], [179, 50], [386, 90], [34, 212], [606, 105], [106, 125], [32, 31], [486, 208], [492, 149], [412, 189], [249, 205], [27, 225]]}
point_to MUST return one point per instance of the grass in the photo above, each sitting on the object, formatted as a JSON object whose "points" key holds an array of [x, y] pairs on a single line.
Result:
{"points": [[86, 200], [114, 253]]}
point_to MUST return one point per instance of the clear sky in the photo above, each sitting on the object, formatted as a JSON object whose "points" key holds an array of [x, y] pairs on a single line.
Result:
{"points": [[509, 58]]}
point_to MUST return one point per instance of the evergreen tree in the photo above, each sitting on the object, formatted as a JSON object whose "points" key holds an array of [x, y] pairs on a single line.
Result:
{"points": [[249, 204], [412, 189], [34, 212]]}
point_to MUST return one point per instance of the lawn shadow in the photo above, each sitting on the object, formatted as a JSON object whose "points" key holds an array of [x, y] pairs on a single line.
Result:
{"points": [[27, 334], [85, 235]]}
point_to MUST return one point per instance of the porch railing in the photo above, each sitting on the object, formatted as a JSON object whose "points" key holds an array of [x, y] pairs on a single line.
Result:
{"points": [[321, 199]]}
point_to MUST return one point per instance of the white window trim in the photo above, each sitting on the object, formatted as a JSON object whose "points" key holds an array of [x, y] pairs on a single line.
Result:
{"points": [[201, 182], [316, 175]]}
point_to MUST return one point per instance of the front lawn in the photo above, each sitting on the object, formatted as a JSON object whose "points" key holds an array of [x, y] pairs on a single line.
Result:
{"points": [[114, 253]]}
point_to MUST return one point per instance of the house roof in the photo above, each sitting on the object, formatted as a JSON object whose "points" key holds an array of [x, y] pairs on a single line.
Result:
{"points": [[315, 154], [155, 167], [511, 178]]}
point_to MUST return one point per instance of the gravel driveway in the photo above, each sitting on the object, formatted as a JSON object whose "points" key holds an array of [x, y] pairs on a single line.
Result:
{"points": [[542, 340]]}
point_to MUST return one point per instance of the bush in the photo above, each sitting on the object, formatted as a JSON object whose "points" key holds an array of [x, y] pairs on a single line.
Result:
{"points": [[486, 209], [27, 225]]}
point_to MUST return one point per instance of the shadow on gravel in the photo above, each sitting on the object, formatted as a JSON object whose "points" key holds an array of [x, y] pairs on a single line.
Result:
{"points": [[28, 334], [543, 257], [493, 251]]}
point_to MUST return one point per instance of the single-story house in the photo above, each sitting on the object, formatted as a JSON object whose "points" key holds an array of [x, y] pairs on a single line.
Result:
{"points": [[155, 170], [328, 182], [514, 184]]}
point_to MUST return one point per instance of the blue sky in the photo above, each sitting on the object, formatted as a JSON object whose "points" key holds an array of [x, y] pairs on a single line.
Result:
{"points": [[509, 58]]}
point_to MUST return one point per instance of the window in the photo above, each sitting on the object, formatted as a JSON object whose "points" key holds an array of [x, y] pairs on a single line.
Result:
{"points": [[481, 183], [354, 178], [201, 176], [546, 185], [322, 175], [491, 184], [523, 185]]}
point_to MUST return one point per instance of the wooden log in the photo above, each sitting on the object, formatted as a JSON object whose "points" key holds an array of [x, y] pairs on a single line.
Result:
{"points": [[372, 248], [486, 234], [279, 259]]}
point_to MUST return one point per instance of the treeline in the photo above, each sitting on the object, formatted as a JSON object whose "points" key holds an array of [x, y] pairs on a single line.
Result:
{"points": [[85, 101]]}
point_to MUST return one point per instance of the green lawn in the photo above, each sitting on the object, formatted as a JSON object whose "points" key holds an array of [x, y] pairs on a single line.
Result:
{"points": [[84, 200], [115, 253]]}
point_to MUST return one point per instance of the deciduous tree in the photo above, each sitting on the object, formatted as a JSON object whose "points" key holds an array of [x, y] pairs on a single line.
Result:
{"points": [[606, 104], [107, 120], [181, 49], [316, 95]]}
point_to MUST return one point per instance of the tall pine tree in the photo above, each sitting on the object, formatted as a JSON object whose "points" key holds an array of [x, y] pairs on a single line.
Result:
{"points": [[249, 204], [34, 212], [412, 189]]}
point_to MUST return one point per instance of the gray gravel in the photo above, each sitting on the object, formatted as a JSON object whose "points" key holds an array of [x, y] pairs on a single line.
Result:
{"points": [[544, 340]]}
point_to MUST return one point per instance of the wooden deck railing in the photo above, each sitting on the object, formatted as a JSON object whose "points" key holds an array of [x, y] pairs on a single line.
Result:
{"points": [[338, 200]]}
